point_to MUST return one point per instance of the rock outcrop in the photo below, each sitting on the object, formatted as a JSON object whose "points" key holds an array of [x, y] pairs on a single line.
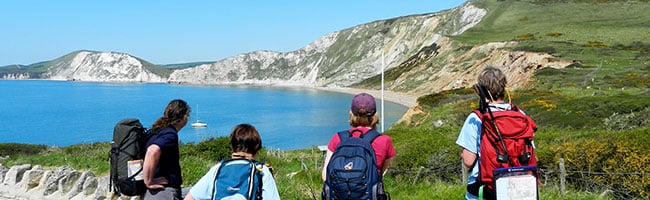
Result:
{"points": [[27, 182]]}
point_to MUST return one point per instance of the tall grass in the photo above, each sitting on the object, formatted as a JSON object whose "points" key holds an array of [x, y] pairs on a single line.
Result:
{"points": [[597, 107]]}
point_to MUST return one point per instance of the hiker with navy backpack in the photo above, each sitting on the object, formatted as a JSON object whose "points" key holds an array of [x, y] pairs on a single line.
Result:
{"points": [[161, 169], [497, 138], [241, 176], [357, 158]]}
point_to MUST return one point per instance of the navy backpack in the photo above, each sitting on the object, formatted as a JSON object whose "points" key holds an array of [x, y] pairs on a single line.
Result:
{"points": [[352, 170]]}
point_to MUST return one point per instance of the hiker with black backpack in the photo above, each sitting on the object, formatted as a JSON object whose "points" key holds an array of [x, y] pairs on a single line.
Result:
{"points": [[357, 158], [497, 137], [241, 176], [161, 169]]}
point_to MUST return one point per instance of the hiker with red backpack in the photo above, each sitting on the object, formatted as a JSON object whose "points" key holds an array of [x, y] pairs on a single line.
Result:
{"points": [[357, 158], [497, 141]]}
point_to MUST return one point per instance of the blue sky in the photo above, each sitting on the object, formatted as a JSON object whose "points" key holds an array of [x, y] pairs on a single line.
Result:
{"points": [[168, 32]]}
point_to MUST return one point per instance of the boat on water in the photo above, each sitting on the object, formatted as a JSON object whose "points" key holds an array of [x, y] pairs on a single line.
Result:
{"points": [[199, 124]]}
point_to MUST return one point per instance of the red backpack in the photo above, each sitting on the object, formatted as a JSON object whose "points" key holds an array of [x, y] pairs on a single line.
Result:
{"points": [[506, 141]]}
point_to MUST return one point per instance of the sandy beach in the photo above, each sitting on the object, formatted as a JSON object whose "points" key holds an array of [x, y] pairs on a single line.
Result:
{"points": [[399, 98]]}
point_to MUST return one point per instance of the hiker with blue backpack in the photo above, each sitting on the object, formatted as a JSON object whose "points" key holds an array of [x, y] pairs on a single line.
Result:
{"points": [[497, 141], [241, 176], [161, 168], [357, 158]]}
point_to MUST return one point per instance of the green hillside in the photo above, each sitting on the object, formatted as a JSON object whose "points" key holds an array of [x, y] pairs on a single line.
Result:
{"points": [[612, 32], [594, 115]]}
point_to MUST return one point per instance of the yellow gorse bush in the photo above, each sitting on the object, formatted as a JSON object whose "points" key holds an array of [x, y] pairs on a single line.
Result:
{"points": [[601, 160]]}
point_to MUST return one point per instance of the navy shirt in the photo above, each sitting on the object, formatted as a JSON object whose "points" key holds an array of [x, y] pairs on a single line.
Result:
{"points": [[169, 164]]}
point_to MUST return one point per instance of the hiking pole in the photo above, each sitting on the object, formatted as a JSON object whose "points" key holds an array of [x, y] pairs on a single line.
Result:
{"points": [[485, 105], [503, 144]]}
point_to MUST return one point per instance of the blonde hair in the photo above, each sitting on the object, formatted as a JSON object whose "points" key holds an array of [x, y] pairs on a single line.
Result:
{"points": [[363, 120]]}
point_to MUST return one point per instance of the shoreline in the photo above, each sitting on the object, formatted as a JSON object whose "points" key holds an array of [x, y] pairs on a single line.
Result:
{"points": [[395, 97], [398, 98]]}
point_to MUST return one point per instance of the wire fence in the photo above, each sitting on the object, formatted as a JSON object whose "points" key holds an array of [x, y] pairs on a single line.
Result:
{"points": [[611, 184]]}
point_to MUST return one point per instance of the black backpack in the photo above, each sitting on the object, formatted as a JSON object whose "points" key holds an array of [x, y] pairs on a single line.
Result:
{"points": [[352, 170], [126, 157]]}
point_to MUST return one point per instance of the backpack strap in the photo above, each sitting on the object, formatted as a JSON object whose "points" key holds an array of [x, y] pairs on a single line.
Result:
{"points": [[499, 138], [344, 135], [259, 196], [216, 174], [369, 136]]}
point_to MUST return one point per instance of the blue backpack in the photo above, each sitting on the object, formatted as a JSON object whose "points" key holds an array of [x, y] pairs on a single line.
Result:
{"points": [[352, 170], [238, 179]]}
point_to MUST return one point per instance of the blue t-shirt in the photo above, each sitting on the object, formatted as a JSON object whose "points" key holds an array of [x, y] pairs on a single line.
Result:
{"points": [[468, 138], [203, 188], [169, 164]]}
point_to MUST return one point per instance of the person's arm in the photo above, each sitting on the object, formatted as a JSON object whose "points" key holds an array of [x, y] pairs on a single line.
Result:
{"points": [[188, 196], [468, 157], [202, 189], [384, 167], [150, 161], [269, 187], [468, 139], [328, 156]]}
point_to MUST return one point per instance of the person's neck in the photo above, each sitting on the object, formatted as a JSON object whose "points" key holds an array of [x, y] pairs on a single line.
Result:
{"points": [[244, 155], [498, 101]]}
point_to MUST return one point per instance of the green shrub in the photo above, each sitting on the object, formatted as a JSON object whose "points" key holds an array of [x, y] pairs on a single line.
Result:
{"points": [[92, 157], [525, 37], [628, 121], [8, 149], [214, 149]]}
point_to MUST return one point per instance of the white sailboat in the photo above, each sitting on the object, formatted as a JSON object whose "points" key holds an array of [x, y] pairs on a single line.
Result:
{"points": [[198, 123]]}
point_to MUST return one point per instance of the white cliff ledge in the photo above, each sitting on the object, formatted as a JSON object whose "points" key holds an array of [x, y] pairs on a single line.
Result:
{"points": [[27, 182]]}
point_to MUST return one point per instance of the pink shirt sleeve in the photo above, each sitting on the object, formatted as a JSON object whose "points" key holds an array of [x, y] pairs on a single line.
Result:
{"points": [[383, 146], [334, 142]]}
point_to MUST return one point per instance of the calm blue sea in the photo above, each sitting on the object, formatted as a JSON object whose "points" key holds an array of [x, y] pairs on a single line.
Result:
{"points": [[59, 113]]}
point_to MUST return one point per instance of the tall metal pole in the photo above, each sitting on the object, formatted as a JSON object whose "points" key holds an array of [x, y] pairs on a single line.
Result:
{"points": [[382, 91]]}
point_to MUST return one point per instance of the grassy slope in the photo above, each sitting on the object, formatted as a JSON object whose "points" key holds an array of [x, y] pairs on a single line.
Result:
{"points": [[573, 107], [609, 23]]}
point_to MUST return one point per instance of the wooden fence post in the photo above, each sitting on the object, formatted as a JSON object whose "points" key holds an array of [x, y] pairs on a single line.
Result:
{"points": [[315, 159], [302, 162], [562, 177], [464, 169], [415, 180]]}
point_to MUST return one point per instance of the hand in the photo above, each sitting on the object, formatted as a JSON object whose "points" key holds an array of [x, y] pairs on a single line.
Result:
{"points": [[157, 183], [269, 166]]}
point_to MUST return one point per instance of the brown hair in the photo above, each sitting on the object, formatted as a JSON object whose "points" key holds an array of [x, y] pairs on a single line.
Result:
{"points": [[245, 138], [174, 113], [493, 81], [363, 120]]}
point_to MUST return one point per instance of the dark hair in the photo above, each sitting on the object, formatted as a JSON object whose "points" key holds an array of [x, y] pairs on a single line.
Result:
{"points": [[492, 81], [174, 113], [245, 138]]}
